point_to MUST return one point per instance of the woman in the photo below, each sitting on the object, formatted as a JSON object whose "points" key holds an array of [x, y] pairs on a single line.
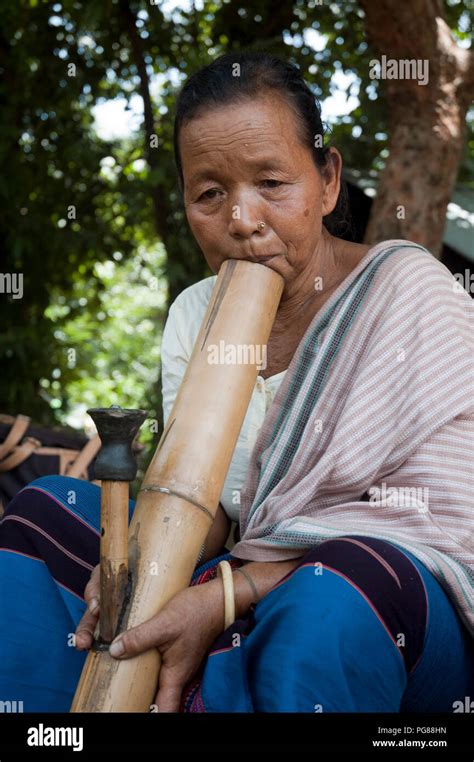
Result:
{"points": [[353, 571]]}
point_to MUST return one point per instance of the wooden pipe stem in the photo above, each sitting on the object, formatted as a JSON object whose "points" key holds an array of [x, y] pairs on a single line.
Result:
{"points": [[113, 556]]}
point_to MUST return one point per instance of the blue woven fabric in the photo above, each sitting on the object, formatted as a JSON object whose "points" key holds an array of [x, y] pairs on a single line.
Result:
{"points": [[297, 651]]}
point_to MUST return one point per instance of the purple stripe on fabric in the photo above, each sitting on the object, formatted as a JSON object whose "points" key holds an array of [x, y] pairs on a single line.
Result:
{"points": [[358, 590], [40, 560], [62, 506], [37, 528], [389, 581], [376, 555], [33, 526]]}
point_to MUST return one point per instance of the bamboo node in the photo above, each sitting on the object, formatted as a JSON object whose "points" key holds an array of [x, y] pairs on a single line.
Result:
{"points": [[167, 491]]}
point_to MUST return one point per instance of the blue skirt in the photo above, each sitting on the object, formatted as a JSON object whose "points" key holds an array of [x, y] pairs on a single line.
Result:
{"points": [[360, 625]]}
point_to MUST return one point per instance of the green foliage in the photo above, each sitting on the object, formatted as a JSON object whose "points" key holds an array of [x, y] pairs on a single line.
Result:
{"points": [[91, 223], [108, 337]]}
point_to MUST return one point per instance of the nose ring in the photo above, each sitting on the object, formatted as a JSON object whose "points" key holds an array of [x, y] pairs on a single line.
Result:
{"points": [[260, 225]]}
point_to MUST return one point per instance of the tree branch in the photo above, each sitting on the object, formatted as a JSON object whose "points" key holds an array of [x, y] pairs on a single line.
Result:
{"points": [[152, 154]]}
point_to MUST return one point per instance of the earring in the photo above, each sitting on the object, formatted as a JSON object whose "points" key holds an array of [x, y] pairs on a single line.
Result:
{"points": [[260, 225]]}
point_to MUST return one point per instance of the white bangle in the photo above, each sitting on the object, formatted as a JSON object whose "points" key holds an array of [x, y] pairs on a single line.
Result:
{"points": [[224, 570]]}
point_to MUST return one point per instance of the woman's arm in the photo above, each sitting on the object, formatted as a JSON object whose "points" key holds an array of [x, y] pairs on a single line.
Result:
{"points": [[218, 534], [265, 575]]}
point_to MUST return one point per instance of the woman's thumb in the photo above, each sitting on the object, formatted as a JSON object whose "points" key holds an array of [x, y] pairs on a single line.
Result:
{"points": [[139, 639]]}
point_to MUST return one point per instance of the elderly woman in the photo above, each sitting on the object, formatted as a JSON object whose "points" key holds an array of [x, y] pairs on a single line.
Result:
{"points": [[352, 479]]}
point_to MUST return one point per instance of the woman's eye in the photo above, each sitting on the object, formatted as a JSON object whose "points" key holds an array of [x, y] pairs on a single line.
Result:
{"points": [[272, 183], [208, 194], [212, 193]]}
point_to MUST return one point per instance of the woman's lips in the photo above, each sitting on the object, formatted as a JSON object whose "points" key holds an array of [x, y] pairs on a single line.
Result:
{"points": [[258, 260]]}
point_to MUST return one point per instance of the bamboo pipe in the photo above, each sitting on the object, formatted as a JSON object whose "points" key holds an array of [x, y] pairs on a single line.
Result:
{"points": [[116, 467], [182, 486]]}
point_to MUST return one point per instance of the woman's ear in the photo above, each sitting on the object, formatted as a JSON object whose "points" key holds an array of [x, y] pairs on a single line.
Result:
{"points": [[331, 180]]}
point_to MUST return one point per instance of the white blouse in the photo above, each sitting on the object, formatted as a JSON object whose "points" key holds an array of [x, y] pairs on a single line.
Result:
{"points": [[179, 335]]}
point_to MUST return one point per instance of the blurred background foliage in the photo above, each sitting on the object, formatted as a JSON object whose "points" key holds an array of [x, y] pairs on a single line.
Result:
{"points": [[95, 222]]}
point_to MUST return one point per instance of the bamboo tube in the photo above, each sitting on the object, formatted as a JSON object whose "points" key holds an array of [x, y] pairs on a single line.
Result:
{"points": [[113, 555], [182, 486]]}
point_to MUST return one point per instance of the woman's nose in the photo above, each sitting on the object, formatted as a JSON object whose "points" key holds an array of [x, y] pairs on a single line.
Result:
{"points": [[243, 218]]}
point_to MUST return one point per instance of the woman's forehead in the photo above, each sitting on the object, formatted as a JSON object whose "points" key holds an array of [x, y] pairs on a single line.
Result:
{"points": [[250, 118], [261, 131]]}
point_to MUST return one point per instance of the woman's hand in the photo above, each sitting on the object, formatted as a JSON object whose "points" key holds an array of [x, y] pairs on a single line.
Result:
{"points": [[215, 540], [182, 631], [86, 627]]}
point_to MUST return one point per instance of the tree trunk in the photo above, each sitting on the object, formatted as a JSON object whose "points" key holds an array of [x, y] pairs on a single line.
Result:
{"points": [[426, 121], [153, 155]]}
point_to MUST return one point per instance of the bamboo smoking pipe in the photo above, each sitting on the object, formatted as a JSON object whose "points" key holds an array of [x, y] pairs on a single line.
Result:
{"points": [[180, 492], [116, 467]]}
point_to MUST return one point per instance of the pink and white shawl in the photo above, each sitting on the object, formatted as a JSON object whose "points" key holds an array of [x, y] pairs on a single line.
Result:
{"points": [[372, 428]]}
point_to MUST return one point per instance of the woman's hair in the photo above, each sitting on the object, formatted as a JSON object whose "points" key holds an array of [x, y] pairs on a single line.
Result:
{"points": [[223, 82]]}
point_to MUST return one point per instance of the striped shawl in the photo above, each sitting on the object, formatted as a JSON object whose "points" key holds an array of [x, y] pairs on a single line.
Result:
{"points": [[372, 428]]}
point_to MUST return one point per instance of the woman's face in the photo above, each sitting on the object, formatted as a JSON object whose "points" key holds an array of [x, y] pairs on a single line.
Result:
{"points": [[244, 163]]}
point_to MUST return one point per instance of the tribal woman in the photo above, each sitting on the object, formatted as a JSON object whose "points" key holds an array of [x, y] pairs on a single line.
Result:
{"points": [[352, 483]]}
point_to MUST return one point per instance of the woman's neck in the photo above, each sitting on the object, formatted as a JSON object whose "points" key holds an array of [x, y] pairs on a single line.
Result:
{"points": [[298, 308], [303, 298]]}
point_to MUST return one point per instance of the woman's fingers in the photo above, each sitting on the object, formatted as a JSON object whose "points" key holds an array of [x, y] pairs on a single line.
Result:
{"points": [[86, 627], [92, 591], [177, 664], [85, 630], [168, 697]]}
